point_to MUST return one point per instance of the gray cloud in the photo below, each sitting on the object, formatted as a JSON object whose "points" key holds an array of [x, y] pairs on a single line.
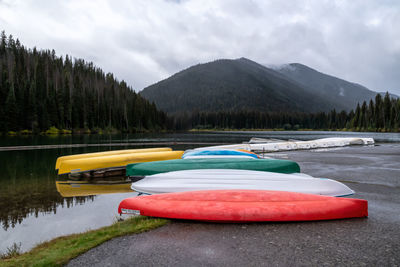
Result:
{"points": [[143, 42]]}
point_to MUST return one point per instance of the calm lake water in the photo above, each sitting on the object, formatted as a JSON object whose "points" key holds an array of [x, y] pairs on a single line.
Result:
{"points": [[33, 209]]}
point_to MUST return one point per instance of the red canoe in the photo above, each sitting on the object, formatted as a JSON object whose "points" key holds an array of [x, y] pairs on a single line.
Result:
{"points": [[244, 206]]}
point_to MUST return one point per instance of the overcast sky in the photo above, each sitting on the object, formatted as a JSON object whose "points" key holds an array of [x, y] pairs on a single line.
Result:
{"points": [[145, 41]]}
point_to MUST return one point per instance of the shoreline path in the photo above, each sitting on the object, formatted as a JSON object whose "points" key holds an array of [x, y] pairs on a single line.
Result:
{"points": [[373, 172]]}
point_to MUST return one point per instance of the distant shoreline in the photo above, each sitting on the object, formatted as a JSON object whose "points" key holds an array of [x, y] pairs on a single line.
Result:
{"points": [[25, 133], [287, 130]]}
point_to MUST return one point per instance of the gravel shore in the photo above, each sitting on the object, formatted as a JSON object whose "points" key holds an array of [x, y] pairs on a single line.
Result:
{"points": [[373, 172]]}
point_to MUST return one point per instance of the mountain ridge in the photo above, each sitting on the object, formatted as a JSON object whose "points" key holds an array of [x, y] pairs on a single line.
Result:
{"points": [[327, 86], [243, 84]]}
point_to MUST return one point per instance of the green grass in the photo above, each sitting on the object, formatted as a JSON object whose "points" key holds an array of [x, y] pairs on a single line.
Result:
{"points": [[61, 250], [13, 251], [52, 131]]}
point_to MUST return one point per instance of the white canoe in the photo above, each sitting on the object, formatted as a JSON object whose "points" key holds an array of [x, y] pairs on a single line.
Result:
{"points": [[345, 141], [257, 140], [234, 146], [318, 143], [276, 146], [273, 147], [219, 179]]}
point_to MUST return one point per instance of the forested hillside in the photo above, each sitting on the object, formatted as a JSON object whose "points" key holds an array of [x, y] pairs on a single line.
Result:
{"points": [[383, 114], [242, 85], [39, 90], [345, 94], [232, 85]]}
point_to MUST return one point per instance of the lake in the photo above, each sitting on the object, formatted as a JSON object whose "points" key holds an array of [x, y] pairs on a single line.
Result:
{"points": [[33, 210]]}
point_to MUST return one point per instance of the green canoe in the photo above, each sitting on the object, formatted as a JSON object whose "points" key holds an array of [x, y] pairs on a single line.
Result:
{"points": [[271, 165]]}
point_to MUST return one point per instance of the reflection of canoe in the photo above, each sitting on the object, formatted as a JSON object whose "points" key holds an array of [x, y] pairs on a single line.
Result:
{"points": [[221, 179], [86, 188], [114, 161], [108, 153], [272, 165], [244, 206]]}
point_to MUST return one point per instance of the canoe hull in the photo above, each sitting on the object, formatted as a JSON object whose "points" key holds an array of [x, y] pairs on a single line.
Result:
{"points": [[272, 165], [114, 161], [220, 179], [108, 153], [264, 145], [244, 206]]}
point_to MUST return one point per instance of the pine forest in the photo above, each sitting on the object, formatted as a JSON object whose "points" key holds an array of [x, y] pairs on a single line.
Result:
{"points": [[39, 91], [381, 115]]}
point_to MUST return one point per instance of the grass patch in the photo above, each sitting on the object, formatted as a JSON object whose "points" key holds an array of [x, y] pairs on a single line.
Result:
{"points": [[61, 250], [65, 131], [52, 131], [25, 132], [13, 251]]}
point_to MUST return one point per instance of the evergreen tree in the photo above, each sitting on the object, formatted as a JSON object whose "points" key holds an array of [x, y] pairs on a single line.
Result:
{"points": [[379, 118], [386, 111], [363, 116], [39, 90], [11, 111], [362, 119], [371, 115]]}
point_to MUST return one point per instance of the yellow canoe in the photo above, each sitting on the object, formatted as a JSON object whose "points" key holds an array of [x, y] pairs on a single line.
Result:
{"points": [[77, 188], [109, 153], [90, 164]]}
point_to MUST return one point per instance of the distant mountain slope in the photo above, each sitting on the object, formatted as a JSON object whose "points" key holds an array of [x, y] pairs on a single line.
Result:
{"points": [[240, 84], [344, 94]]}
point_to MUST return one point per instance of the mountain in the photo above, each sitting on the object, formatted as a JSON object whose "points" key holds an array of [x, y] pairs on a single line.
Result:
{"points": [[232, 85], [344, 94]]}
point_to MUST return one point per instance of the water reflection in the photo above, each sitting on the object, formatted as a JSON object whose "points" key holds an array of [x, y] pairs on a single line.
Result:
{"points": [[33, 200], [27, 187], [93, 186]]}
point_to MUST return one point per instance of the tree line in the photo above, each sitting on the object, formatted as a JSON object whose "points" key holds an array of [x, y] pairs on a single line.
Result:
{"points": [[382, 114], [39, 90]]}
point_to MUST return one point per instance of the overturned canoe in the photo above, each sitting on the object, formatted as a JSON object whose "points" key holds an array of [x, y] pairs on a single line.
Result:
{"points": [[192, 154], [109, 153], [244, 206], [272, 165], [278, 145], [220, 156], [222, 179], [219, 147], [114, 161]]}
